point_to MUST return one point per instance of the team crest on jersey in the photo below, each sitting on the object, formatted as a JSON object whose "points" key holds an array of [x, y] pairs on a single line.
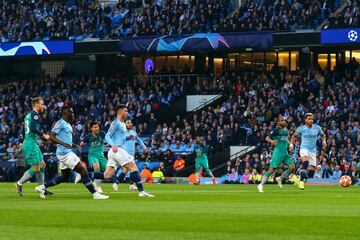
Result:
{"points": [[36, 117]]}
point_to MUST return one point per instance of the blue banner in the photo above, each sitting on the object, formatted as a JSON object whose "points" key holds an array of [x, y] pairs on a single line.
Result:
{"points": [[36, 48], [197, 42], [334, 36]]}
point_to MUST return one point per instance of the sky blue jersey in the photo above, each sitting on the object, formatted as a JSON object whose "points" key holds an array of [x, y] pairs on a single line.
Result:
{"points": [[64, 132], [129, 145], [309, 136], [116, 134]]}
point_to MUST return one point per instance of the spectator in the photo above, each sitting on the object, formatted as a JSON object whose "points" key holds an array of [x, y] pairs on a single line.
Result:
{"points": [[20, 161], [146, 175], [246, 176], [327, 171], [228, 168], [239, 167], [255, 177], [337, 173], [318, 172], [179, 164], [158, 175], [3, 174], [232, 178]]}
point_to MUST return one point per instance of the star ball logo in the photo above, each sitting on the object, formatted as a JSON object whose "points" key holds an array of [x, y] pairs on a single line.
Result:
{"points": [[352, 35]]}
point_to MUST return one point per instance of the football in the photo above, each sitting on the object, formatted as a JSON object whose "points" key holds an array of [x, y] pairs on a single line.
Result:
{"points": [[345, 181]]}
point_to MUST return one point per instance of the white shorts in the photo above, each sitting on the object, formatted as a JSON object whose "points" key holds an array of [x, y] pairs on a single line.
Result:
{"points": [[120, 158], [311, 155], [68, 161]]}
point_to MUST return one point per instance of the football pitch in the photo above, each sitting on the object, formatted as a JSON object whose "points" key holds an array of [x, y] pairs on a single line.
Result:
{"points": [[182, 212]]}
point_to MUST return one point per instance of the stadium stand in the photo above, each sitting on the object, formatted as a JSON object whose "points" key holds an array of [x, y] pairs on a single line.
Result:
{"points": [[53, 20], [245, 116]]}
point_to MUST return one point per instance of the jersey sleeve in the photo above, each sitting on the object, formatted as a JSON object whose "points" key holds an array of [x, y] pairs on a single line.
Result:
{"points": [[273, 133], [86, 138], [140, 141], [102, 135], [57, 128], [110, 133], [204, 149], [321, 132], [298, 131], [122, 128], [34, 123]]}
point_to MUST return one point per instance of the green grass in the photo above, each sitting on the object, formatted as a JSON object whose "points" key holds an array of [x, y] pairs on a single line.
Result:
{"points": [[182, 212]]}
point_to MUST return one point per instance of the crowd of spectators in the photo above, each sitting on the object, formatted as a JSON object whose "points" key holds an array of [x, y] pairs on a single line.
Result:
{"points": [[251, 102], [349, 17], [80, 19], [259, 98], [92, 98]]}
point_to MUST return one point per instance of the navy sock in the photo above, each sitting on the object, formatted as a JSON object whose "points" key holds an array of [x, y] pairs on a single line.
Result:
{"points": [[132, 182], [305, 165], [303, 171], [87, 182], [115, 179], [55, 181], [134, 176], [96, 175], [303, 175], [311, 173], [121, 178]]}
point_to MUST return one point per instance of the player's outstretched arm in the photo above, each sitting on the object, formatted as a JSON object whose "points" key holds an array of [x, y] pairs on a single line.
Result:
{"points": [[33, 128], [54, 139], [323, 139], [108, 136], [271, 141], [294, 138], [141, 143]]}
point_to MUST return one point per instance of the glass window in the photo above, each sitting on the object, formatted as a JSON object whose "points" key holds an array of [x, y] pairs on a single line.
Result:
{"points": [[258, 60], [232, 63], [192, 62], [159, 63], [356, 55], [218, 64], [332, 61], [245, 60], [172, 61], [322, 61], [347, 56], [294, 61], [284, 59], [183, 60], [137, 63], [270, 58]]}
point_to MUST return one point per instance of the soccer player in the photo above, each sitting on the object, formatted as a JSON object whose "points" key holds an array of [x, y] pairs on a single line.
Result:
{"points": [[95, 140], [33, 155], [309, 134], [131, 138], [278, 137], [62, 135], [117, 156], [202, 160]]}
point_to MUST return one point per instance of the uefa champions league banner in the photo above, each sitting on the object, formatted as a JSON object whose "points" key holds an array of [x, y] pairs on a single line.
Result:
{"points": [[197, 42], [36, 48], [340, 36]]}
